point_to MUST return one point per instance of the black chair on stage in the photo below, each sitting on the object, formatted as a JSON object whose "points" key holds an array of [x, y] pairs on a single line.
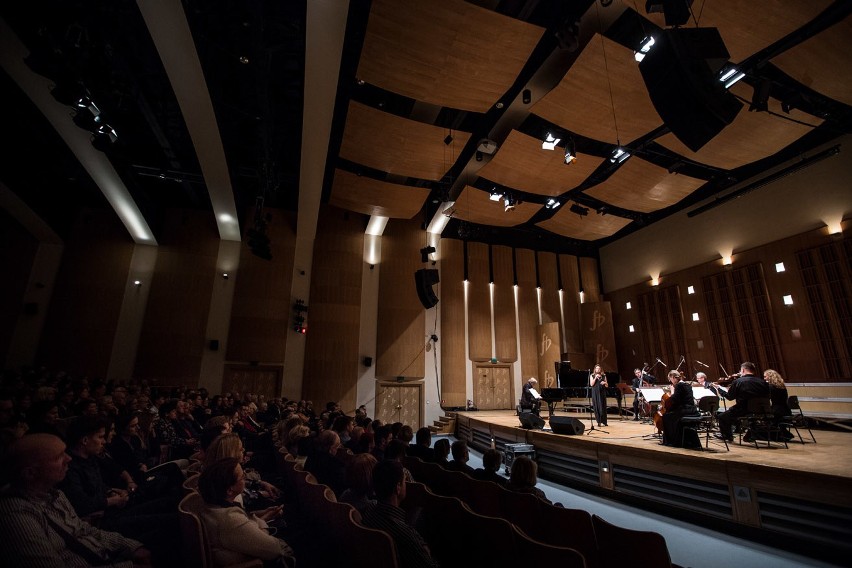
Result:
{"points": [[760, 424], [796, 421], [704, 422]]}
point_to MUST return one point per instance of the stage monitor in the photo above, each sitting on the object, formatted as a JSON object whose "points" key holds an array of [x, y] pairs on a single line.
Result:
{"points": [[531, 421]]}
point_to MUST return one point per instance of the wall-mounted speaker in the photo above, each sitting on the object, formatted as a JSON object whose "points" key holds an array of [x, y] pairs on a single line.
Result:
{"points": [[368, 361], [566, 425], [214, 345], [531, 421], [424, 279], [681, 73]]}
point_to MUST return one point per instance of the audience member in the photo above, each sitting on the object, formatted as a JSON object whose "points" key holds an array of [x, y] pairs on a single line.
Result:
{"points": [[442, 452], [389, 487], [422, 445], [461, 456], [40, 526], [324, 464], [524, 477], [491, 461], [235, 536], [359, 482], [395, 452]]}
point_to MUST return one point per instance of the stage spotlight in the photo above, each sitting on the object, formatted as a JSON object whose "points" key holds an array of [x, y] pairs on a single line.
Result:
{"points": [[619, 155], [579, 209], [550, 142], [760, 99], [552, 203], [425, 252], [526, 96], [570, 151], [495, 195], [509, 202]]}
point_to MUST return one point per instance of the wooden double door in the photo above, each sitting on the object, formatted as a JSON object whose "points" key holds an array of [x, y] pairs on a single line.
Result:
{"points": [[492, 389], [400, 402]]}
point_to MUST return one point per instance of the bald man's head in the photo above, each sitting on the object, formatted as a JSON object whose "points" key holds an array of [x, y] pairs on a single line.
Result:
{"points": [[37, 461]]}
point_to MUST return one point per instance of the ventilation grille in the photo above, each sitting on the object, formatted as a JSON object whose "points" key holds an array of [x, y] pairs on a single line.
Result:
{"points": [[463, 430], [480, 439], [559, 466], [816, 522], [700, 496]]}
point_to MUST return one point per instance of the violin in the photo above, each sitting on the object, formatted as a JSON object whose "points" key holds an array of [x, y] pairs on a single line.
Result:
{"points": [[725, 381]]}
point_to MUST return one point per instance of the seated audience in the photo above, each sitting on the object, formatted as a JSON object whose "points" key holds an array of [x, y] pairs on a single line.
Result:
{"points": [[442, 452], [234, 535], [258, 493], [395, 452], [491, 461], [381, 437], [461, 456], [422, 447], [387, 515], [40, 526], [524, 477], [359, 482], [324, 464]]}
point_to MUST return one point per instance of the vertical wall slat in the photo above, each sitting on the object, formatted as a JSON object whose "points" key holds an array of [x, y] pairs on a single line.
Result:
{"points": [[572, 337], [479, 302], [505, 333], [527, 311], [452, 340]]}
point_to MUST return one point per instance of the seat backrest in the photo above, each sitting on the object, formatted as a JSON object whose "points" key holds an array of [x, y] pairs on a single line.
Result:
{"points": [[483, 497], [761, 405], [708, 404], [194, 551], [572, 528], [793, 403], [521, 509], [190, 484], [547, 554], [362, 546], [619, 547]]}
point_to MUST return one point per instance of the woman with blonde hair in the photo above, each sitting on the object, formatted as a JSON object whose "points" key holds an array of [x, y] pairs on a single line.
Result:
{"points": [[777, 393], [230, 446]]}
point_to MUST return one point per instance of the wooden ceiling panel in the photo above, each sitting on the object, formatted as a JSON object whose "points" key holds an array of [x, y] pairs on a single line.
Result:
{"points": [[748, 27], [474, 205], [445, 52], [520, 163], [752, 136], [397, 145], [641, 186], [822, 62], [373, 197], [581, 102], [588, 228]]}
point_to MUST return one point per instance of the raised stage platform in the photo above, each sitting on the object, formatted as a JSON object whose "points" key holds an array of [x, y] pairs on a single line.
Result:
{"points": [[799, 497]]}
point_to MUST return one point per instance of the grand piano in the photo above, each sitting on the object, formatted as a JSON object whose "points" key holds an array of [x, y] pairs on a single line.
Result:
{"points": [[574, 383]]}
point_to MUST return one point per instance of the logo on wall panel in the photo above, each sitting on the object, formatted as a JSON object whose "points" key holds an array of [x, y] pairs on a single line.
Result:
{"points": [[598, 320]]}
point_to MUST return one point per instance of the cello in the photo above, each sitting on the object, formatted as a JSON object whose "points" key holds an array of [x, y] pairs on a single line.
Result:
{"points": [[665, 400]]}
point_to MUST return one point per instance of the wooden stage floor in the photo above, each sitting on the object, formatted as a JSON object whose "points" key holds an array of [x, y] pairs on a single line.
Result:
{"points": [[799, 497]]}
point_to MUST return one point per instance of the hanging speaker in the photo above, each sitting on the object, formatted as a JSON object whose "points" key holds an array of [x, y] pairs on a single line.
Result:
{"points": [[566, 425], [681, 73], [424, 279]]}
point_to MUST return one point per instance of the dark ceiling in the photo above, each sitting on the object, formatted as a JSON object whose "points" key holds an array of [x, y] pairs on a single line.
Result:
{"points": [[451, 74]]}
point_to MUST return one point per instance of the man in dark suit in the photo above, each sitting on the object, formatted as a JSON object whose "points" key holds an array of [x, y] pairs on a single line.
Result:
{"points": [[422, 447], [491, 461], [461, 456], [743, 389], [640, 379], [528, 399]]}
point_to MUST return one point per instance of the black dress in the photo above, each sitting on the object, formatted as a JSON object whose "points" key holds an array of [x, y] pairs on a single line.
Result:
{"points": [[681, 403], [599, 399]]}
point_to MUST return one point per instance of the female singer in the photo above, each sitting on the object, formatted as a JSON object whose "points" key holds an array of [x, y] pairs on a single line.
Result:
{"points": [[598, 383], [681, 403]]}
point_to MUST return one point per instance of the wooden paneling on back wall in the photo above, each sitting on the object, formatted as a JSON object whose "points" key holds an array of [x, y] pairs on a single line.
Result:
{"points": [[334, 313], [792, 326], [83, 315], [173, 332], [505, 330], [478, 303], [452, 341]]}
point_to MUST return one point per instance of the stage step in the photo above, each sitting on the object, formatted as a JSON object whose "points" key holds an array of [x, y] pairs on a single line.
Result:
{"points": [[444, 425]]}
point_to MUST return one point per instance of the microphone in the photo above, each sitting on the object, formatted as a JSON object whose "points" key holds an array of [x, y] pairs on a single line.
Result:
{"points": [[705, 365], [661, 363]]}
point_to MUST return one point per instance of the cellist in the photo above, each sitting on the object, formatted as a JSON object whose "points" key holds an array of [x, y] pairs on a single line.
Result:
{"points": [[681, 403]]}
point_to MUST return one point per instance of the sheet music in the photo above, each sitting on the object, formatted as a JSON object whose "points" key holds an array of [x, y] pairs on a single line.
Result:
{"points": [[652, 395], [701, 392], [535, 394]]}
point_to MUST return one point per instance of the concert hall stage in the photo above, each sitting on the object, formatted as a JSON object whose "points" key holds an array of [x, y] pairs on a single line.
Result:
{"points": [[800, 496]]}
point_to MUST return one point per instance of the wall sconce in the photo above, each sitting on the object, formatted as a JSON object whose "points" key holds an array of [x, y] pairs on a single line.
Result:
{"points": [[694, 316], [137, 283], [727, 260], [628, 306], [690, 290], [655, 281], [788, 300], [631, 329], [224, 276]]}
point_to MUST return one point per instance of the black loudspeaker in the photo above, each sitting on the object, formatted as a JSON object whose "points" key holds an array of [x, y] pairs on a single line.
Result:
{"points": [[214, 345], [424, 279], [531, 421], [368, 361], [566, 425], [681, 72]]}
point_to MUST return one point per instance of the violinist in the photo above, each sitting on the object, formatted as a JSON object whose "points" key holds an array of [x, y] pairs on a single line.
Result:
{"points": [[681, 403], [703, 382], [599, 384], [745, 387], [640, 379]]}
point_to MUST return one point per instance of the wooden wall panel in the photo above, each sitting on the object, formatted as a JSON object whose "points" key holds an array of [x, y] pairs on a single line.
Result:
{"points": [[452, 341], [549, 287], [572, 340], [590, 279], [505, 332], [261, 315], [17, 256], [332, 358], [478, 303], [527, 311], [81, 321], [173, 331], [400, 337], [794, 327]]}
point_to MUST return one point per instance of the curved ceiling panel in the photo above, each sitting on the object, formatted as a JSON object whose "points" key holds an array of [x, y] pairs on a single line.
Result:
{"points": [[374, 197], [752, 136], [396, 145], [588, 227], [748, 27], [445, 52], [520, 163], [641, 186], [474, 205], [582, 103]]}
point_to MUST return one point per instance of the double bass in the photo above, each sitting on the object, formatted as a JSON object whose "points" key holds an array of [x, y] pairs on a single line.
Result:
{"points": [[665, 404]]}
